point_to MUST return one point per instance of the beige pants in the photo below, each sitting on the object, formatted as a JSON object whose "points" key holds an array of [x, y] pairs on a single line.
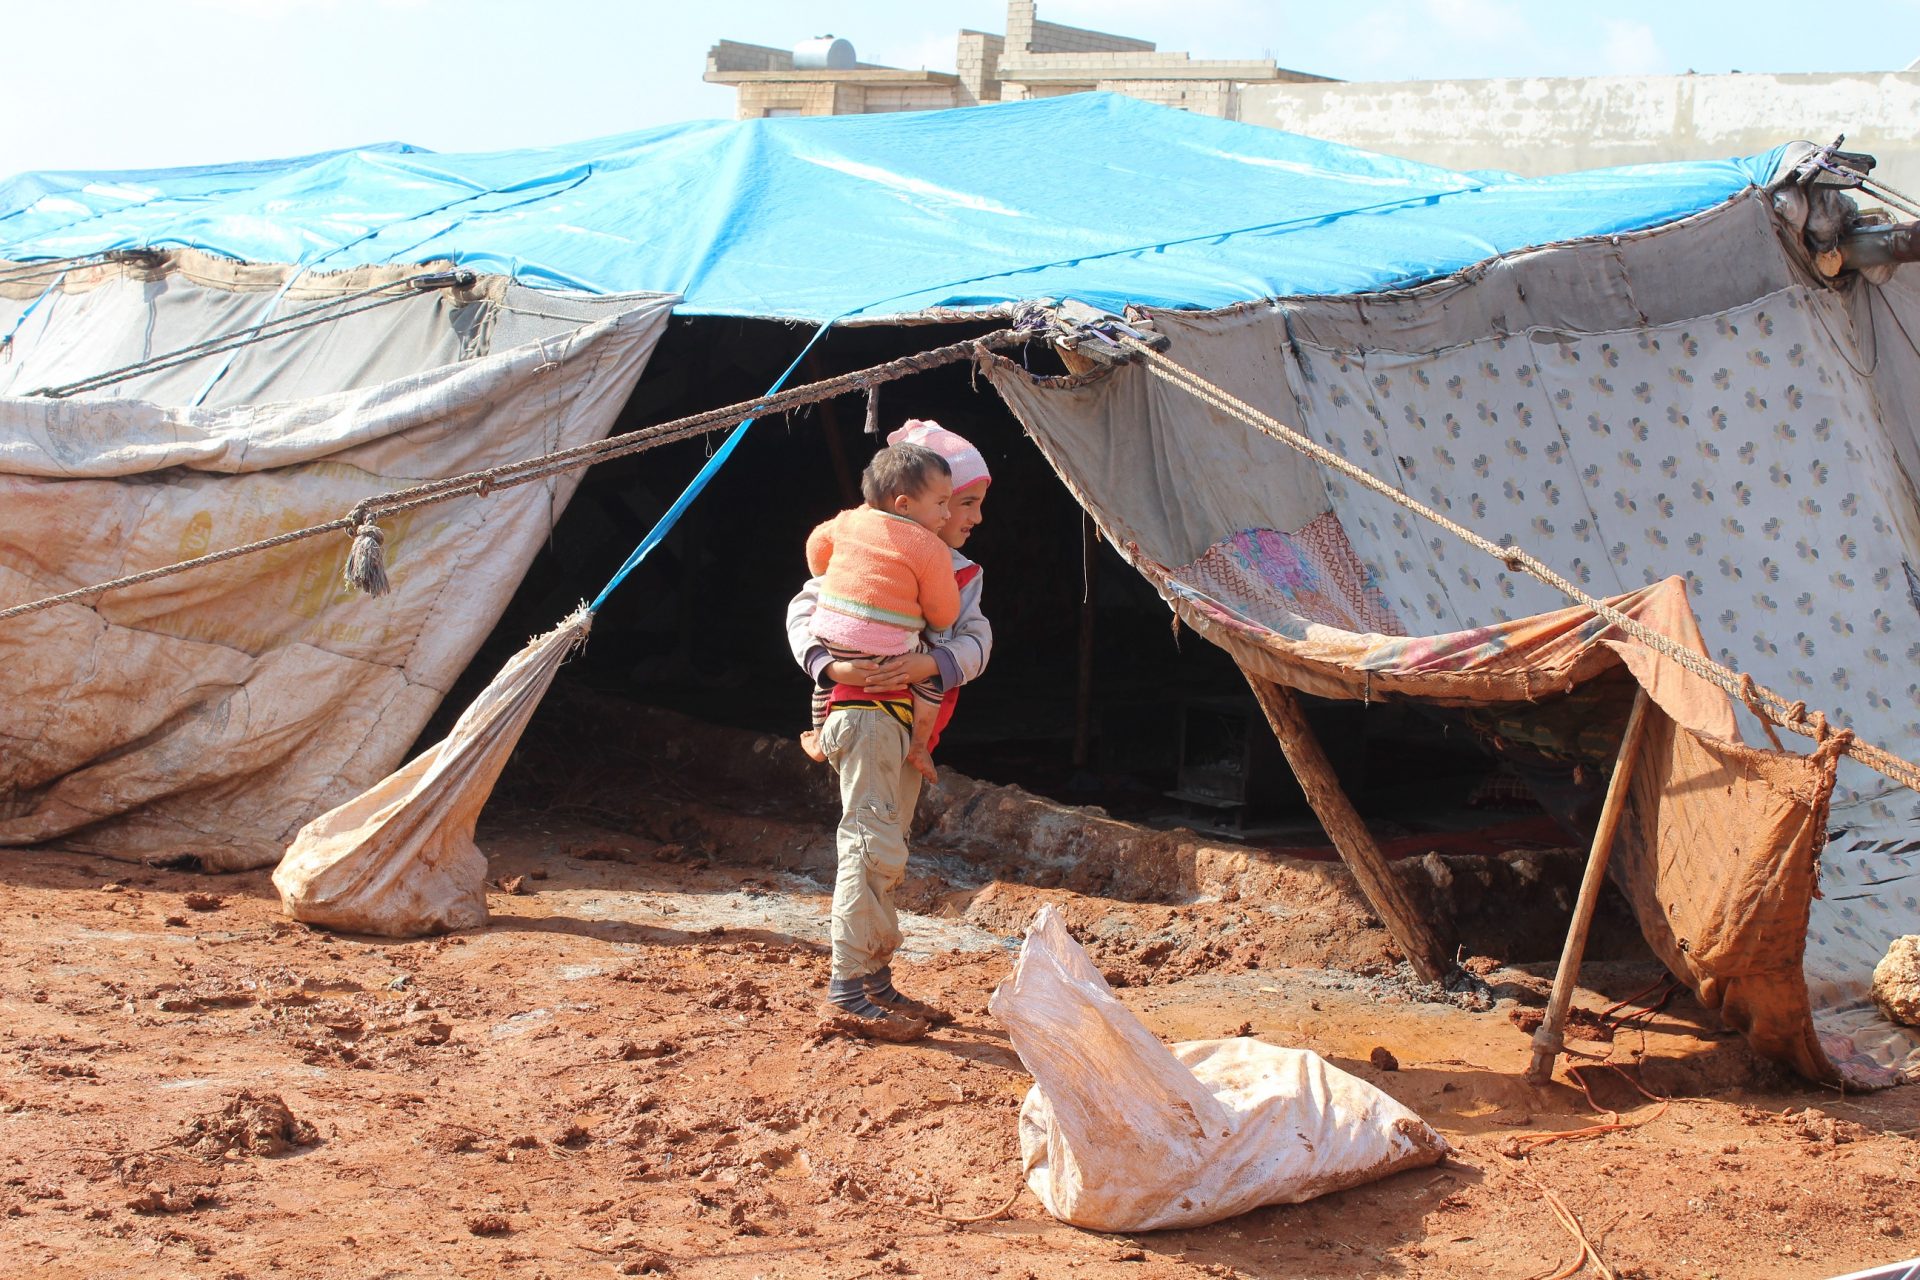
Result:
{"points": [[868, 749]]}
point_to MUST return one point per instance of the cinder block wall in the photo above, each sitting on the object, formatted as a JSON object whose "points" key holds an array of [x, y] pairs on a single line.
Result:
{"points": [[1537, 126], [978, 63]]}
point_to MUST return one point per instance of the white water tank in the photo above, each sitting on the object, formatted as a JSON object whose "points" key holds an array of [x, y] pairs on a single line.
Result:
{"points": [[823, 53]]}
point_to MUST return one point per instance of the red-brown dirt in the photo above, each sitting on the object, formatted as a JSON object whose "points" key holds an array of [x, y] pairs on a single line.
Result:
{"points": [[620, 1076]]}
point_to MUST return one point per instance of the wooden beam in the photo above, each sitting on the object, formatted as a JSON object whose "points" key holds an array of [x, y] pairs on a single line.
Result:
{"points": [[1551, 1037], [1383, 890]]}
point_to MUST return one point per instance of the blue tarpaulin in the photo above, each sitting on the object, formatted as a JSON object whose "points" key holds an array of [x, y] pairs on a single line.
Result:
{"points": [[1091, 196]]}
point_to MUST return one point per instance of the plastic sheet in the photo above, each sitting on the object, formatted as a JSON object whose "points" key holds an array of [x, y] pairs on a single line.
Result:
{"points": [[1092, 196], [1122, 1133]]}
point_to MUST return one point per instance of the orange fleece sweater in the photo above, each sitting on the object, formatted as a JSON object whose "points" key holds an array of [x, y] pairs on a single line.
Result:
{"points": [[886, 579]]}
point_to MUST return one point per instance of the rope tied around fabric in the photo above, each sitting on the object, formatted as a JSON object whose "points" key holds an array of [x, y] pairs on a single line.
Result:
{"points": [[1750, 697], [1768, 706], [366, 558]]}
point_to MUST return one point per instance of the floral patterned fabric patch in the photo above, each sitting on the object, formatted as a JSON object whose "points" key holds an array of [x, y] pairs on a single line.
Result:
{"points": [[1276, 579]]}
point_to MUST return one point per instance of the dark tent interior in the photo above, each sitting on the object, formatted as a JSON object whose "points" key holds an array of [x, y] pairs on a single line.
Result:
{"points": [[1092, 696]]}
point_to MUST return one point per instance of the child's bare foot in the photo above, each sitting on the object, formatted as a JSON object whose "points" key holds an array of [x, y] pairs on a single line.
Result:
{"points": [[921, 759], [810, 743]]}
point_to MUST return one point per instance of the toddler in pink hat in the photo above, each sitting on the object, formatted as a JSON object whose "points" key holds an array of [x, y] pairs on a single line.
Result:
{"points": [[968, 469]]}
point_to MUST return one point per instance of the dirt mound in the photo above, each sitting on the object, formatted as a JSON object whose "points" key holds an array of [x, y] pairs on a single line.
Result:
{"points": [[250, 1124]]}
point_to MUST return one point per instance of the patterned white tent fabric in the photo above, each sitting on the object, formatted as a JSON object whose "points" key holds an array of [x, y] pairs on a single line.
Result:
{"points": [[1743, 450], [1693, 401]]}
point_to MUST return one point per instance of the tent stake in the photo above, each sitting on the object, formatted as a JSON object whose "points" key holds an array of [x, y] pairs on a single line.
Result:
{"points": [[1383, 890], [1551, 1037]]}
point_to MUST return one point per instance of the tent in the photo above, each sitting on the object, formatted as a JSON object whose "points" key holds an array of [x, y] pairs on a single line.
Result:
{"points": [[1637, 374]]}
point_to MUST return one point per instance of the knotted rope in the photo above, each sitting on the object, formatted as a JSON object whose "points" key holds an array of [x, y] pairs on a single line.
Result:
{"points": [[366, 566], [1769, 706]]}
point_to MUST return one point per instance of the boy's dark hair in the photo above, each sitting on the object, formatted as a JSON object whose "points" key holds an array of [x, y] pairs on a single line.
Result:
{"points": [[900, 471]]}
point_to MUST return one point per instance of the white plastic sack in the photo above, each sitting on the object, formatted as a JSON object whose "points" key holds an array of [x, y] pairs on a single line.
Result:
{"points": [[1119, 1133], [399, 860]]}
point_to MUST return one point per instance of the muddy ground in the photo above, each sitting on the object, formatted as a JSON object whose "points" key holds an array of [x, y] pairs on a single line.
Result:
{"points": [[621, 1076]]}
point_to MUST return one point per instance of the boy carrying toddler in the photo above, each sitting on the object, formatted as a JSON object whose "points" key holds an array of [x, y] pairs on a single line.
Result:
{"points": [[866, 739]]}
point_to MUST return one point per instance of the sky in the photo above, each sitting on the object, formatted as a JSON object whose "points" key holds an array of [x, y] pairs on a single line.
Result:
{"points": [[120, 84]]}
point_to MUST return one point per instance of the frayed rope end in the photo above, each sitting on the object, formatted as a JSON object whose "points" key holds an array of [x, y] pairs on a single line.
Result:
{"points": [[366, 561]]}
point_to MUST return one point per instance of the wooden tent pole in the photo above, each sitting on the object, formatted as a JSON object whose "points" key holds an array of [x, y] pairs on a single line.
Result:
{"points": [[1551, 1037], [1383, 890]]}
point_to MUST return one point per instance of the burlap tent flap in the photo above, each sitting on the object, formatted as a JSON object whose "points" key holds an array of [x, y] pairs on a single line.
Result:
{"points": [[399, 860], [1719, 849]]}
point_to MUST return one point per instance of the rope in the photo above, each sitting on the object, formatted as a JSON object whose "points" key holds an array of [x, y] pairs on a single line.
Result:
{"points": [[1588, 1256], [1904, 203], [1872, 186], [1768, 705], [27, 271], [1891, 194], [365, 515], [135, 579], [992, 1215], [695, 487], [280, 328], [530, 469]]}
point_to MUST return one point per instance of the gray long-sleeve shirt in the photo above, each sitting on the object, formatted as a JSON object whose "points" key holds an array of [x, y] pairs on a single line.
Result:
{"points": [[961, 651]]}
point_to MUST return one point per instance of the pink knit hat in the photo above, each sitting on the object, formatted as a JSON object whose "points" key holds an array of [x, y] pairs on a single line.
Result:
{"points": [[968, 466]]}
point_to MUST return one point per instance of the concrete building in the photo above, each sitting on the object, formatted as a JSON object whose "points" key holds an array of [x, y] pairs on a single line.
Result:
{"points": [[1034, 59], [1528, 126], [767, 83]]}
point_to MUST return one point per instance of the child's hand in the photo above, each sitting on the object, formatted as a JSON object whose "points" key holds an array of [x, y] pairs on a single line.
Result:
{"points": [[883, 673]]}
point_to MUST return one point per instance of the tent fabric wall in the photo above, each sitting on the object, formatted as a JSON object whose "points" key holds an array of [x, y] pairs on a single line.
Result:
{"points": [[103, 318], [74, 323], [1575, 399], [215, 712]]}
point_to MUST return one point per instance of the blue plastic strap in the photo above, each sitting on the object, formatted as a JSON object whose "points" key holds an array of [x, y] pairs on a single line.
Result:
{"points": [[664, 525]]}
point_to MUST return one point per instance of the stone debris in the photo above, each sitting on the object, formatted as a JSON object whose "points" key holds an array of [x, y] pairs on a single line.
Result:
{"points": [[1896, 981]]}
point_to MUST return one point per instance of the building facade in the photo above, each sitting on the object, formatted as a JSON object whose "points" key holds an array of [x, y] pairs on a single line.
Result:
{"points": [[1529, 126], [1034, 59]]}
